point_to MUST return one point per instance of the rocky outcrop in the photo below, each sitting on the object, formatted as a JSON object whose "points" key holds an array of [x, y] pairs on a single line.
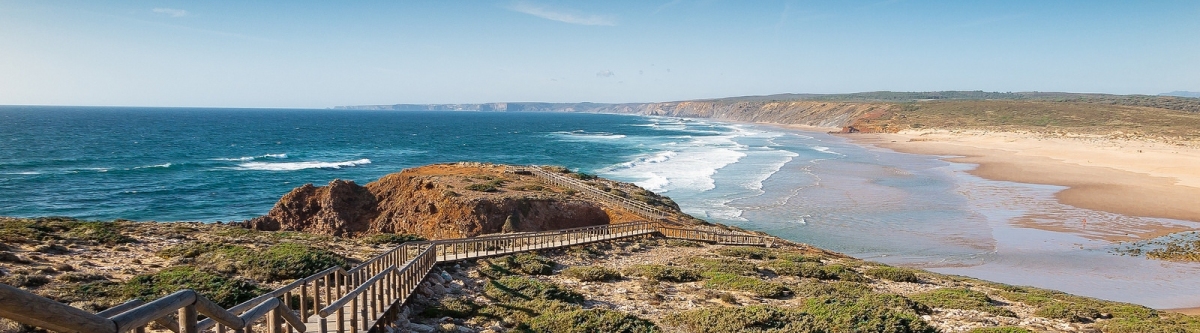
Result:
{"points": [[436, 201]]}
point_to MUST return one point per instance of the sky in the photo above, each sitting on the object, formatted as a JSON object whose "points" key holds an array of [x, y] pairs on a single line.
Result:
{"points": [[318, 54]]}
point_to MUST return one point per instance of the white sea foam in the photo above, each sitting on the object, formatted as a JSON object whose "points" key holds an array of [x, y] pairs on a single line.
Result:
{"points": [[164, 165], [251, 158], [587, 136], [826, 150], [292, 166], [687, 166], [23, 173], [771, 169]]}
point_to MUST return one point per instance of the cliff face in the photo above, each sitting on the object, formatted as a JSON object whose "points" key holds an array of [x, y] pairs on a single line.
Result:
{"points": [[797, 112], [809, 113], [437, 201]]}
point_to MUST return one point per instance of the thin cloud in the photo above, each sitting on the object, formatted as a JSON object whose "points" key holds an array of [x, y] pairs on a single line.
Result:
{"points": [[172, 12], [665, 5], [560, 15], [605, 73]]}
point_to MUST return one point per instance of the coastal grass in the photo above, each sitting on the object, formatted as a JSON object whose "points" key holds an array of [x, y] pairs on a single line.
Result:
{"points": [[392, 239], [756, 286], [663, 273], [519, 288], [961, 298], [815, 316], [745, 252], [22, 230], [278, 262], [591, 273], [896, 274], [223, 290], [590, 320]]}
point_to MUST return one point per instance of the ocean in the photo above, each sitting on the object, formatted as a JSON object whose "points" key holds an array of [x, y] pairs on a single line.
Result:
{"points": [[197, 164]]}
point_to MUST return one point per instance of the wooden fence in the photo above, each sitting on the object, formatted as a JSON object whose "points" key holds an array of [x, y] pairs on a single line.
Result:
{"points": [[638, 207]]}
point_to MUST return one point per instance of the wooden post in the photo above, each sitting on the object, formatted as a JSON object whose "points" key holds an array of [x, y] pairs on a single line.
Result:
{"points": [[187, 319], [303, 299]]}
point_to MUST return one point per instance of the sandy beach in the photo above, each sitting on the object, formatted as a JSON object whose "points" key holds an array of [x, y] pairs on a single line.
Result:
{"points": [[1122, 176]]}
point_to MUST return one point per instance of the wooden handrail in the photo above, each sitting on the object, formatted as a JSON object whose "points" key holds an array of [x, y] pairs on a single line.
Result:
{"points": [[25, 307]]}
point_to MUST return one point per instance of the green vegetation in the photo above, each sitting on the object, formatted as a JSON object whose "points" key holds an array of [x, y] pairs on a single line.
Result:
{"points": [[18, 230], [1081, 116], [220, 289], [278, 262], [723, 265], [756, 318], [482, 187], [591, 273], [813, 270], [745, 252], [1178, 247], [894, 274], [961, 298], [524, 263], [529, 305], [726, 281], [519, 288], [826, 315], [663, 273], [590, 320], [392, 239]]}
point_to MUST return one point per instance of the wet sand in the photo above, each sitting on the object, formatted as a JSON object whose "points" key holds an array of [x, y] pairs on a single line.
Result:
{"points": [[1127, 177], [1186, 311]]}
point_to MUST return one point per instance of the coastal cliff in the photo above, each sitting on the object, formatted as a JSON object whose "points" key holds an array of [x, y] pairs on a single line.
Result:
{"points": [[444, 201]]}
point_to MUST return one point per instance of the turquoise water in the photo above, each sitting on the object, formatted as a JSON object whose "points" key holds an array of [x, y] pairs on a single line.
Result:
{"points": [[233, 164]]}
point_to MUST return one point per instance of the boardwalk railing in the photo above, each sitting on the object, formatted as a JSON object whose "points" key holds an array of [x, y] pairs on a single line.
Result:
{"points": [[363, 298], [638, 207]]}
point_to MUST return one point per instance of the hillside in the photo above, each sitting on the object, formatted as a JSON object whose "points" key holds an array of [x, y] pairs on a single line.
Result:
{"points": [[1165, 117]]}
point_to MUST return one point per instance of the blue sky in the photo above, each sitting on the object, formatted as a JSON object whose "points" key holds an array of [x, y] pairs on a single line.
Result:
{"points": [[326, 53]]}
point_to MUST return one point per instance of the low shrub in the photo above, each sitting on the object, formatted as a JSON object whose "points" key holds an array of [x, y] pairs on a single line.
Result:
{"points": [[224, 291], [868, 313], [796, 257], [726, 281], [663, 273], [524, 263], [100, 232], [482, 187], [961, 298], [745, 252], [590, 320], [289, 261], [814, 270], [894, 274], [453, 307], [191, 249], [392, 239], [282, 261], [756, 318], [591, 273], [518, 288]]}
